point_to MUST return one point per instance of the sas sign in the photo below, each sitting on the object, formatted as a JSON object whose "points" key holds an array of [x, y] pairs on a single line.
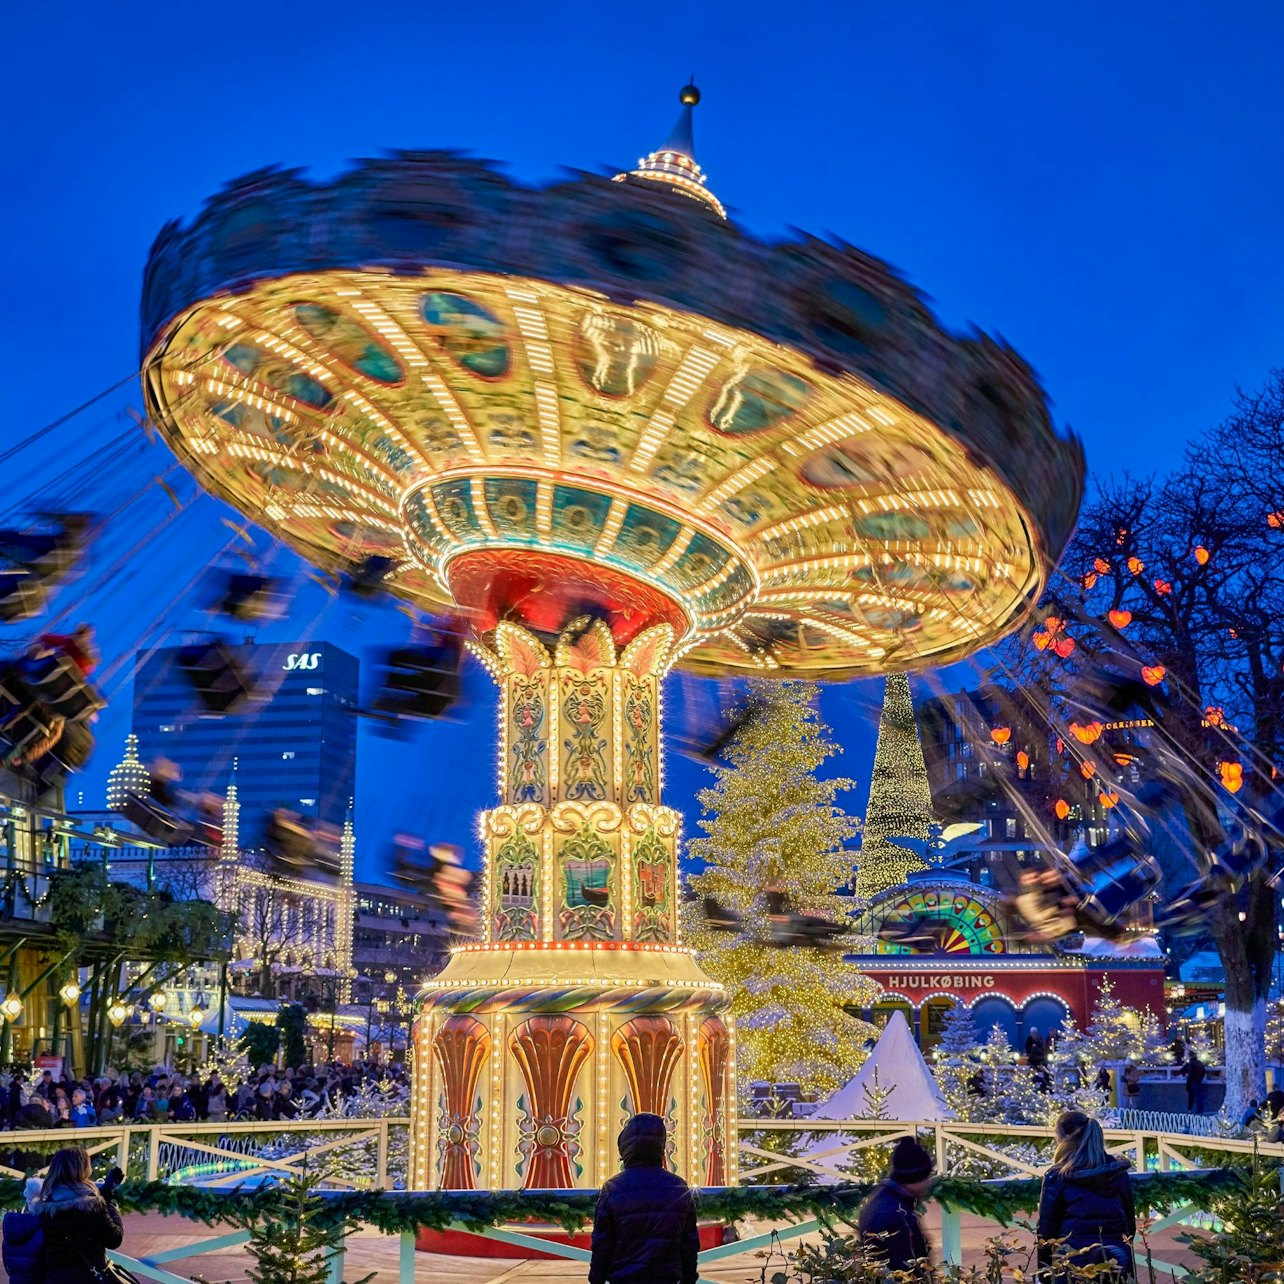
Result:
{"points": [[300, 660]]}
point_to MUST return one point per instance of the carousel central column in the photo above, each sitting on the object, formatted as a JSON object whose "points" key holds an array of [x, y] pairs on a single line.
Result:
{"points": [[578, 1007]]}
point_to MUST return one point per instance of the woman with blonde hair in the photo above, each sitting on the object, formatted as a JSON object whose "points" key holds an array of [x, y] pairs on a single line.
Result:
{"points": [[1086, 1203], [79, 1221]]}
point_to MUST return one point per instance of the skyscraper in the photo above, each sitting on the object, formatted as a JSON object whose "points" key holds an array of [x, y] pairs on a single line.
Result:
{"points": [[294, 744]]}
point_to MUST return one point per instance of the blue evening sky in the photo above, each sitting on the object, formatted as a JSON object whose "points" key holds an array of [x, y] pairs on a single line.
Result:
{"points": [[1101, 184]]}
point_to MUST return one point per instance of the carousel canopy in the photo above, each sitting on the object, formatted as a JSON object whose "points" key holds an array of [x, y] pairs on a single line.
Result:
{"points": [[531, 403]]}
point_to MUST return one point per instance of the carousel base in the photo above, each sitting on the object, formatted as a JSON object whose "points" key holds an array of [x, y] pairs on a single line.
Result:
{"points": [[452, 1243]]}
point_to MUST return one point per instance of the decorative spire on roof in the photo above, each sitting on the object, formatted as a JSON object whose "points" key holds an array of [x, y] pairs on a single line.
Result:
{"points": [[128, 776], [230, 848], [675, 164], [347, 849]]}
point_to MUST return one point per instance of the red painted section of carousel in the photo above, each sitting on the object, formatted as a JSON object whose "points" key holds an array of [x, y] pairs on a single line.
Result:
{"points": [[450, 1243]]}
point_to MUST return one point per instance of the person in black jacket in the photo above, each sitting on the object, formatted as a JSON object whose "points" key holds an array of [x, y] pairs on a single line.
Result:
{"points": [[1086, 1203], [645, 1225], [889, 1222], [1196, 1072], [79, 1222], [24, 1242]]}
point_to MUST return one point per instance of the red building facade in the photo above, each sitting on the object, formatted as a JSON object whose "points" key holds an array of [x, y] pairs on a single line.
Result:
{"points": [[964, 948]]}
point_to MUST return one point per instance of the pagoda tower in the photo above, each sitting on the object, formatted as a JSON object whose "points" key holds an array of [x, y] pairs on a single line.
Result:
{"points": [[128, 776]]}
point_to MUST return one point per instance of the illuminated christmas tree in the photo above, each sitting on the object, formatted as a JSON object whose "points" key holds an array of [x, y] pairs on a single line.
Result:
{"points": [[955, 1060], [900, 800], [772, 826]]}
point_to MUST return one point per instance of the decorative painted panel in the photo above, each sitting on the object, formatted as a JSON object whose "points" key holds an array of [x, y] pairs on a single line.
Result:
{"points": [[652, 876], [640, 735], [715, 1049], [648, 1049], [527, 711], [585, 704], [550, 1051], [461, 1048], [588, 909], [515, 872]]}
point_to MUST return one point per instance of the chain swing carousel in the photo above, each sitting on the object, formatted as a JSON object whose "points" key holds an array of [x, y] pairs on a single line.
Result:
{"points": [[615, 434]]}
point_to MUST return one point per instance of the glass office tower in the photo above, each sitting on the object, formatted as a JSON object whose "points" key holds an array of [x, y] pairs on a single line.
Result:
{"points": [[294, 744]]}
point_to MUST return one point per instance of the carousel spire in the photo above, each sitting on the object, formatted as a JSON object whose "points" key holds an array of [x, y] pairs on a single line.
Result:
{"points": [[674, 163]]}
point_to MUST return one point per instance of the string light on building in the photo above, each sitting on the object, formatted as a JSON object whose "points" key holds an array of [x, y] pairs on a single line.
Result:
{"points": [[128, 776]]}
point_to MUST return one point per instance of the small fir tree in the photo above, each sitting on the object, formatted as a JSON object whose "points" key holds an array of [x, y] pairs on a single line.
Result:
{"points": [[772, 825], [900, 799], [228, 1059], [956, 1060], [261, 1043], [1249, 1243], [292, 1021], [1116, 1033], [295, 1244], [874, 1104]]}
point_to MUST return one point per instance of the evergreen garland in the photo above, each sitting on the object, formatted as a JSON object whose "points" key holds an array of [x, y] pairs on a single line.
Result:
{"points": [[393, 1212]]}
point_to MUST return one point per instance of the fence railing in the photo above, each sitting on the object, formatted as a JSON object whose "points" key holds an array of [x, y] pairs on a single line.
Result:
{"points": [[354, 1154], [781, 1150]]}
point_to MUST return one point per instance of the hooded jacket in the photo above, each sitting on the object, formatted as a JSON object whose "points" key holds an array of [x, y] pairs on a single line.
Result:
{"points": [[24, 1243], [1088, 1209], [645, 1225], [79, 1226]]}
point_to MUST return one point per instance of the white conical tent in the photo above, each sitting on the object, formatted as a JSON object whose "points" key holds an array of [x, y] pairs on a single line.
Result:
{"points": [[901, 1070]]}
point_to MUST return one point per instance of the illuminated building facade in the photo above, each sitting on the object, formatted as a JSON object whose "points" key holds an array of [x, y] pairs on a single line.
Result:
{"points": [[979, 957]]}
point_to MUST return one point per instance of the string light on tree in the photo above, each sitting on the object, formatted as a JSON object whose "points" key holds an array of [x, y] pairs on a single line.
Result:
{"points": [[771, 824], [900, 798]]}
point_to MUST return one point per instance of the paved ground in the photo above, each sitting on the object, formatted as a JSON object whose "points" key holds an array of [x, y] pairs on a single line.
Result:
{"points": [[368, 1251]]}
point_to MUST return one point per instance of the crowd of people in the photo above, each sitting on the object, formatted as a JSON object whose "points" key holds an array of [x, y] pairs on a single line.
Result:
{"points": [[43, 1100]]}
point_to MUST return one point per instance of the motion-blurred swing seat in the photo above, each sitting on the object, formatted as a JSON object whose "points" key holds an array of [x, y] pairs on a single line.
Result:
{"points": [[156, 821], [290, 844], [422, 681], [59, 683], [22, 595], [220, 680], [251, 598]]}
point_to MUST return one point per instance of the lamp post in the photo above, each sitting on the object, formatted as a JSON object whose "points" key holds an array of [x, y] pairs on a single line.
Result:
{"points": [[116, 1015]]}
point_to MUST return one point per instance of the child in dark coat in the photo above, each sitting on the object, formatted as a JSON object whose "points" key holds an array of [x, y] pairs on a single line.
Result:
{"points": [[645, 1225], [24, 1241], [889, 1224]]}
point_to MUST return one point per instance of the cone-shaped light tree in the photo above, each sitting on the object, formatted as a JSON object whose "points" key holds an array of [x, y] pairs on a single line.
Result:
{"points": [[900, 800], [771, 823]]}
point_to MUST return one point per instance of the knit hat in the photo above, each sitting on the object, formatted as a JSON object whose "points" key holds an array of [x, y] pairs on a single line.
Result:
{"points": [[910, 1162]]}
